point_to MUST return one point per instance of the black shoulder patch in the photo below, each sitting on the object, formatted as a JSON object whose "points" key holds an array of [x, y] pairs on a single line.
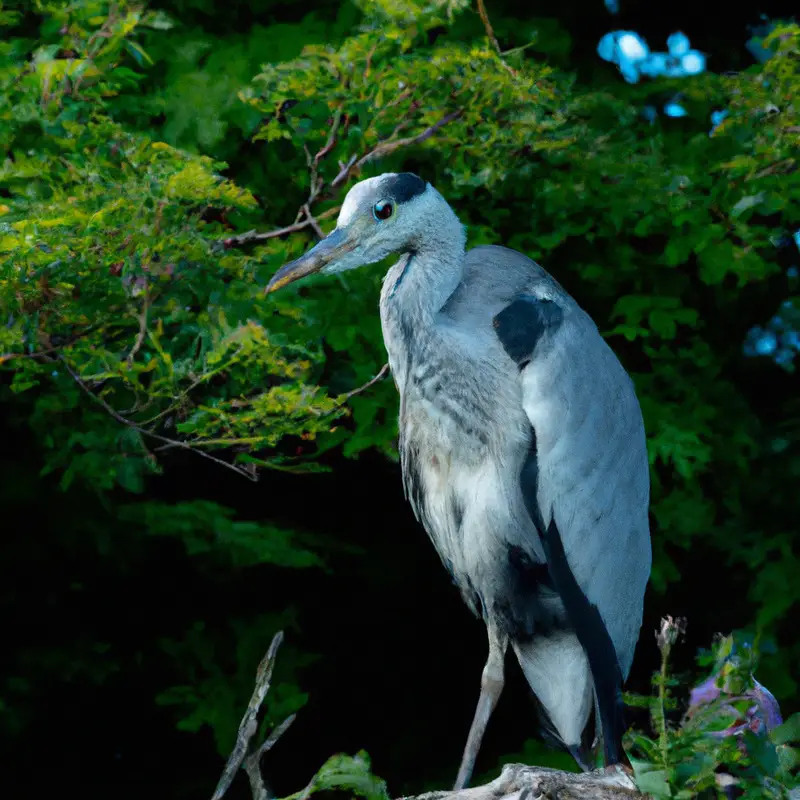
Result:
{"points": [[523, 323], [403, 186], [593, 635]]}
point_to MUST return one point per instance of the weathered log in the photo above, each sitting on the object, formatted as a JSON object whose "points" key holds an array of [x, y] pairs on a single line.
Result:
{"points": [[520, 782]]}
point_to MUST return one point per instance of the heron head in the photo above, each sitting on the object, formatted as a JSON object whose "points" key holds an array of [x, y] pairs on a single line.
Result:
{"points": [[379, 216]]}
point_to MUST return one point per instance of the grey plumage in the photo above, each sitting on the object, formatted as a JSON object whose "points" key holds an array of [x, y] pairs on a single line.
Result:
{"points": [[522, 449]]}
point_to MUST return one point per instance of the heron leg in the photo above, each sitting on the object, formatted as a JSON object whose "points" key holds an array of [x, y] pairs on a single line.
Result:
{"points": [[491, 686]]}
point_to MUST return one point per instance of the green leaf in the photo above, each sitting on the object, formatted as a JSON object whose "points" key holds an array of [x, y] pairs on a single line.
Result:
{"points": [[351, 773], [138, 52], [788, 732], [650, 779]]}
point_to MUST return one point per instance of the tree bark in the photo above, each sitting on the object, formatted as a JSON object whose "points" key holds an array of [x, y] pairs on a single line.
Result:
{"points": [[520, 782]]}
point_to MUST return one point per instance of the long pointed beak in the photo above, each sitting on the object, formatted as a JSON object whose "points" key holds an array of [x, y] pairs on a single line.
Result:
{"points": [[328, 250]]}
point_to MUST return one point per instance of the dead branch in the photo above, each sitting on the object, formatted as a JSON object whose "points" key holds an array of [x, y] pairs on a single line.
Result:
{"points": [[516, 781], [520, 782], [369, 59], [371, 382], [305, 218], [491, 35], [252, 763], [313, 222], [389, 146], [488, 26], [242, 756], [317, 183], [144, 432], [344, 170], [255, 237]]}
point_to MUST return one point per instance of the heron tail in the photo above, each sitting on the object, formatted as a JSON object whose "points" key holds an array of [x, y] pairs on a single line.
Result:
{"points": [[596, 642]]}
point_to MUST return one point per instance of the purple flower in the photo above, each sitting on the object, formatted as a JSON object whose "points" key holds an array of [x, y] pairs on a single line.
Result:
{"points": [[704, 693], [762, 716]]}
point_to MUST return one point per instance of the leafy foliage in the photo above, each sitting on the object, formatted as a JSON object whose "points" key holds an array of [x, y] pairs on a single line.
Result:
{"points": [[730, 735], [208, 528], [129, 331], [346, 773], [218, 682], [107, 264], [701, 754]]}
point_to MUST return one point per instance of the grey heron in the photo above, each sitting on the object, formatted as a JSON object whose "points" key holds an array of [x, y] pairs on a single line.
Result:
{"points": [[523, 453]]}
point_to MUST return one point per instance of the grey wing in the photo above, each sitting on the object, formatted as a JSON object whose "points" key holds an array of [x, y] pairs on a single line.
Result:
{"points": [[587, 474], [493, 277]]}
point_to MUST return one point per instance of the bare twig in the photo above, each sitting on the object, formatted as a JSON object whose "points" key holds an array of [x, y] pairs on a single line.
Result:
{"points": [[140, 336], [490, 33], [313, 222], [488, 26], [241, 756], [252, 763], [49, 350], [779, 167], [144, 432], [331, 141], [38, 354], [305, 218], [390, 145], [344, 171], [316, 183], [254, 237], [369, 60], [371, 382], [384, 148]]}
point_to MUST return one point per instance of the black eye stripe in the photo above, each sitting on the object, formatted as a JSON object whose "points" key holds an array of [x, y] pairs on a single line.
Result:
{"points": [[383, 209], [402, 187]]}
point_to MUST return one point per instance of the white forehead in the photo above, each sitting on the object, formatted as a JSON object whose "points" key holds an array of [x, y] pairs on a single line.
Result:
{"points": [[364, 192]]}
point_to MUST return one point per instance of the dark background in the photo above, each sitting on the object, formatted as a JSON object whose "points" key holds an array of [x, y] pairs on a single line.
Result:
{"points": [[400, 657]]}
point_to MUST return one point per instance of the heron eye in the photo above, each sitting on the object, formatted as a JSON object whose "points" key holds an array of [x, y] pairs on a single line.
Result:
{"points": [[383, 209]]}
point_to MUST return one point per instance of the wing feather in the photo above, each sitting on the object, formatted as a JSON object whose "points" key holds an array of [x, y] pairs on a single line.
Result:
{"points": [[588, 470]]}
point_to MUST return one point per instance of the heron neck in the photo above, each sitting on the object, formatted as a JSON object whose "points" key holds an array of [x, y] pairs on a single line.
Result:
{"points": [[414, 291], [424, 279]]}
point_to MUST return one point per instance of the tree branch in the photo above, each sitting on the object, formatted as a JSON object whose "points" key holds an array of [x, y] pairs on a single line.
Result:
{"points": [[313, 164], [490, 33], [371, 382], [516, 781], [304, 217], [488, 26], [519, 782], [252, 763], [241, 756], [49, 350], [313, 222], [254, 237], [389, 146], [144, 432]]}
